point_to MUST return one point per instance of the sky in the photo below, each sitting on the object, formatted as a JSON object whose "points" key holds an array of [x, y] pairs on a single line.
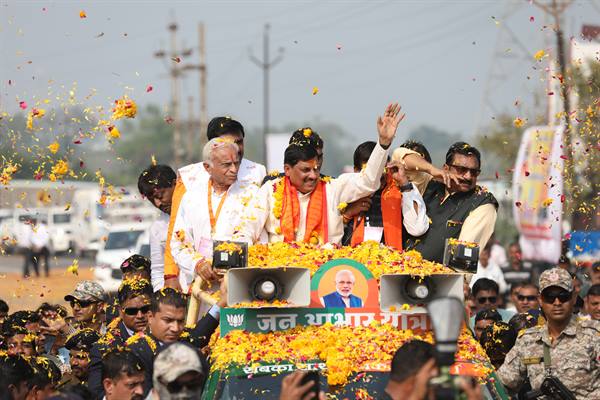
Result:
{"points": [[433, 57]]}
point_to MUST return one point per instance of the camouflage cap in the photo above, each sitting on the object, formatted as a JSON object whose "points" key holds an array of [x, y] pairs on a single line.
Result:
{"points": [[87, 291], [83, 339], [174, 361], [556, 277]]}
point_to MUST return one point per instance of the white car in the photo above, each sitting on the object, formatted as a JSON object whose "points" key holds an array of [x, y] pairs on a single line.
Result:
{"points": [[60, 228], [122, 242]]}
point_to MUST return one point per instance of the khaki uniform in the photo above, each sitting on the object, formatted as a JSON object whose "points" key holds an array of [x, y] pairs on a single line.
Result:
{"points": [[575, 359]]}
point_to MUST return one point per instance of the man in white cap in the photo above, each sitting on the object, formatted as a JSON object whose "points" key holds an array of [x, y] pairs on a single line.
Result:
{"points": [[179, 373]]}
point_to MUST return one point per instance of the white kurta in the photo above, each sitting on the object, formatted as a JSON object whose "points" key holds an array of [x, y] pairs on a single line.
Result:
{"points": [[193, 224], [158, 240], [195, 175], [344, 189]]}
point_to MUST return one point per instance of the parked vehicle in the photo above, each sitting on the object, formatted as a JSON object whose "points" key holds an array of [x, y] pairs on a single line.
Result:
{"points": [[121, 242]]}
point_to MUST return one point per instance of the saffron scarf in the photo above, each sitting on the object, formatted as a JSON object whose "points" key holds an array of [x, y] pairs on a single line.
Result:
{"points": [[316, 214], [391, 214]]}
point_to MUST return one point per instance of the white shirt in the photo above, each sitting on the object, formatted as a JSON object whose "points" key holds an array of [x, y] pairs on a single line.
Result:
{"points": [[39, 236], [415, 222], [195, 175], [193, 224], [345, 189], [498, 255], [493, 272], [158, 241]]}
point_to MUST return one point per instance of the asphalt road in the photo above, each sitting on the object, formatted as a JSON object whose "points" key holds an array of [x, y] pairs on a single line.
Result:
{"points": [[14, 262]]}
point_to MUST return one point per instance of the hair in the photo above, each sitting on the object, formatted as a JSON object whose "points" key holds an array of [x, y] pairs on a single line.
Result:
{"points": [[514, 244], [14, 369], [488, 315], [131, 288], [3, 306], [25, 316], [168, 296], [121, 361], [497, 339], [45, 373], [214, 144], [220, 126], [594, 290], [517, 285], [299, 151], [314, 138], [418, 352], [51, 307], [362, 153], [521, 321], [529, 285], [344, 271], [418, 147], [156, 177], [484, 284], [465, 149]]}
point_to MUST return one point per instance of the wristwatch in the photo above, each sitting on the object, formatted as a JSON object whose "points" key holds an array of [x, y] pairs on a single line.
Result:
{"points": [[406, 188]]}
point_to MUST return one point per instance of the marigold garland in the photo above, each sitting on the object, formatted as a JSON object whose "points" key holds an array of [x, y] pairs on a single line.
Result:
{"points": [[343, 349], [378, 258]]}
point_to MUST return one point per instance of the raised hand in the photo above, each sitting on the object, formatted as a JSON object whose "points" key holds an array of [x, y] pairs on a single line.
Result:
{"points": [[398, 172], [388, 124]]}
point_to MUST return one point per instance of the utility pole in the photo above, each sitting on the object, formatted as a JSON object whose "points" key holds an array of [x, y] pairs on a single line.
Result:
{"points": [[191, 128], [266, 64], [555, 9], [201, 68], [174, 74]]}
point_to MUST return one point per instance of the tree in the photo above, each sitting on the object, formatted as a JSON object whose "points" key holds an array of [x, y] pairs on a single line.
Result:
{"points": [[500, 144], [147, 136]]}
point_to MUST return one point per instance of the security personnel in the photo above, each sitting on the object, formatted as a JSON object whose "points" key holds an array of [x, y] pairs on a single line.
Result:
{"points": [[565, 347], [79, 346]]}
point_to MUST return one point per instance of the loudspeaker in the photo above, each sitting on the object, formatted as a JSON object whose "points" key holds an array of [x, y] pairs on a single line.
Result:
{"points": [[461, 256], [288, 284], [229, 254], [399, 289]]}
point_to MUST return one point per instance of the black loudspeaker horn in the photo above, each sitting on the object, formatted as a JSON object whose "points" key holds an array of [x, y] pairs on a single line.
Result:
{"points": [[290, 285], [399, 289]]}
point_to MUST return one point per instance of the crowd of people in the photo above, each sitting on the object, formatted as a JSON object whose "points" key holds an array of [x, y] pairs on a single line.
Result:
{"points": [[137, 345]]}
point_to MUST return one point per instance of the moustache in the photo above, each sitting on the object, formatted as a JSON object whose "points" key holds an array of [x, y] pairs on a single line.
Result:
{"points": [[465, 181]]}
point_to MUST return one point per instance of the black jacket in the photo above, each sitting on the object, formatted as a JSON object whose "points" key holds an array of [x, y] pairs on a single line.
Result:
{"points": [[112, 338], [146, 347]]}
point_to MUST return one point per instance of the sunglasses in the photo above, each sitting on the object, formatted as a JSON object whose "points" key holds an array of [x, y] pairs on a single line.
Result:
{"points": [[136, 310], [483, 300], [528, 298], [463, 170], [82, 303], [563, 297], [177, 387]]}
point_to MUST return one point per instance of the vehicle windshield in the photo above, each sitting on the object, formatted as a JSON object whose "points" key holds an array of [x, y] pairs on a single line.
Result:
{"points": [[122, 240], [266, 387], [61, 218]]}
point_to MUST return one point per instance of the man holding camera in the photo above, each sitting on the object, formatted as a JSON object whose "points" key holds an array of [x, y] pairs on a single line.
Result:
{"points": [[563, 354]]}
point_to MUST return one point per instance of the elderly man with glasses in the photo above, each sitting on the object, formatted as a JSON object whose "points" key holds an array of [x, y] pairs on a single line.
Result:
{"points": [[565, 348], [456, 206]]}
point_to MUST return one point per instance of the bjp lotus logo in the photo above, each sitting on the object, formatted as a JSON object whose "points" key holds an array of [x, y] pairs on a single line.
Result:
{"points": [[235, 320]]}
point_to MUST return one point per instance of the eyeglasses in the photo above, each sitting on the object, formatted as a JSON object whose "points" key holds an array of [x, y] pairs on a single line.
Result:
{"points": [[463, 170], [528, 298], [490, 299], [81, 303], [563, 297], [177, 387], [136, 310]]}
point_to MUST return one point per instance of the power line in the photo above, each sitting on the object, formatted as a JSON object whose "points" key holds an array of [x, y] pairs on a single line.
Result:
{"points": [[266, 64]]}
